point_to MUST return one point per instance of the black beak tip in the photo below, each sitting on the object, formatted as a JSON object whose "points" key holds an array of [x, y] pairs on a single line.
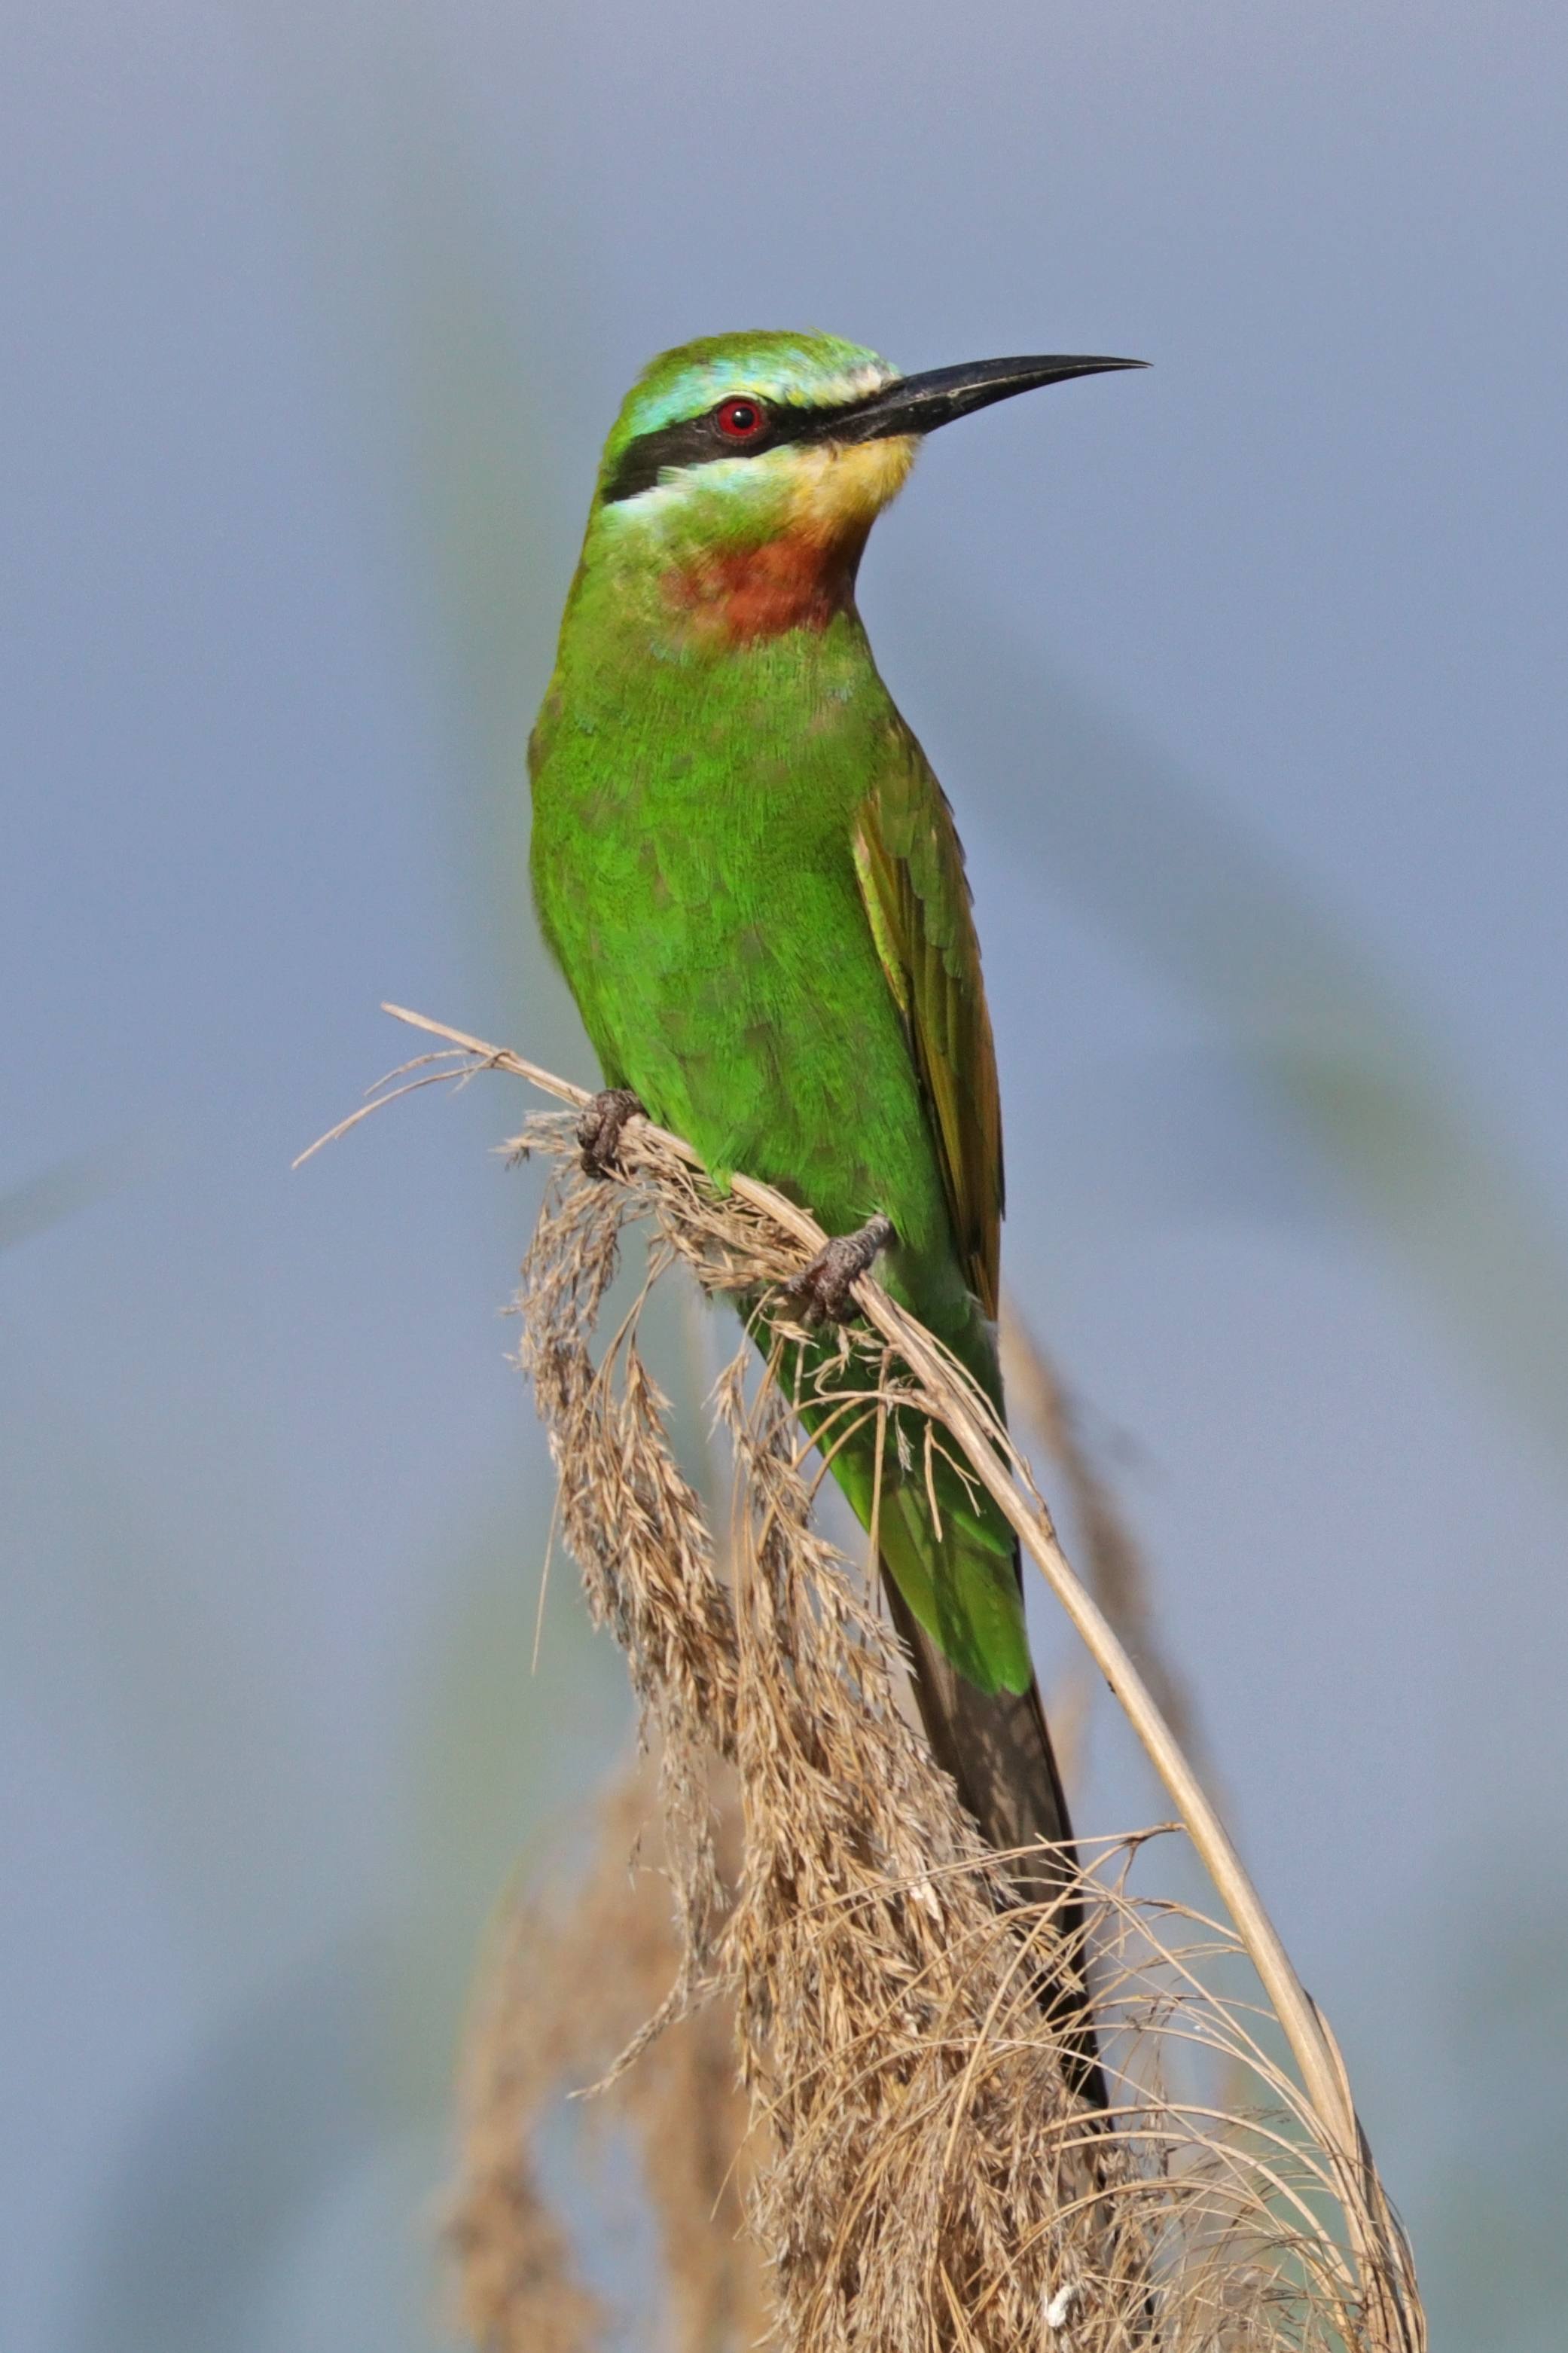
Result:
{"points": [[920, 404], [1098, 366]]}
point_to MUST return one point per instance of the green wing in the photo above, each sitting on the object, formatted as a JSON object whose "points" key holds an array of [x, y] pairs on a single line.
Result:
{"points": [[916, 896]]}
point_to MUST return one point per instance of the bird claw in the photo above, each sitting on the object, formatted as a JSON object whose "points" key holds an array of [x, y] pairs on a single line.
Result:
{"points": [[821, 1292], [600, 1128]]}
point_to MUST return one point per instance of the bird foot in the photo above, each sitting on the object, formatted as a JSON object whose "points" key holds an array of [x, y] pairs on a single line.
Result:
{"points": [[600, 1126], [820, 1291]]}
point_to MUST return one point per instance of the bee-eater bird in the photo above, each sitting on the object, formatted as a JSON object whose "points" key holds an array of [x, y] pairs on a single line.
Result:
{"points": [[750, 879]]}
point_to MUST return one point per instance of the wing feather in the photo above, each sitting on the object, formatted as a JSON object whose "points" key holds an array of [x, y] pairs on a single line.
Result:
{"points": [[917, 895]]}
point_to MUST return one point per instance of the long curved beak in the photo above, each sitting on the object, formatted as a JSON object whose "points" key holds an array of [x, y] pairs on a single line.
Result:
{"points": [[919, 403]]}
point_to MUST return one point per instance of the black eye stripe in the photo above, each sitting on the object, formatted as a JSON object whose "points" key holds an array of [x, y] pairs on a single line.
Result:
{"points": [[902, 409], [699, 440]]}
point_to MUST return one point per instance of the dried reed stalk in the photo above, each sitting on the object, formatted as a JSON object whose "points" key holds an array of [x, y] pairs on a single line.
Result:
{"points": [[1117, 1576], [930, 2182]]}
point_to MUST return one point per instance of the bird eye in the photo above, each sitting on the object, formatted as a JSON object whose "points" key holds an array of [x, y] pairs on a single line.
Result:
{"points": [[740, 420]]}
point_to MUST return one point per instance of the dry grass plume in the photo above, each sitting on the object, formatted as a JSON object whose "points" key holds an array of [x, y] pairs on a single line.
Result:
{"points": [[919, 2178]]}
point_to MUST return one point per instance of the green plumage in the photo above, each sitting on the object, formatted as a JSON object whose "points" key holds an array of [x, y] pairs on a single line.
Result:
{"points": [[749, 878]]}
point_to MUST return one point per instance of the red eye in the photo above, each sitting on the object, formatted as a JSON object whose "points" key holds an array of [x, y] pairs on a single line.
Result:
{"points": [[740, 420]]}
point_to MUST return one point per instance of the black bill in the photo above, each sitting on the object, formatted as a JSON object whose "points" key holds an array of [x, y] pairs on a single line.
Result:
{"points": [[919, 403]]}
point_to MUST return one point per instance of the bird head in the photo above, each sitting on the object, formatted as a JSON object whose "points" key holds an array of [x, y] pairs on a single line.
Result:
{"points": [[744, 471]]}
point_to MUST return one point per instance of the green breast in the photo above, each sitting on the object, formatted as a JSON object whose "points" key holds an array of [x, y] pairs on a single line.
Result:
{"points": [[694, 872]]}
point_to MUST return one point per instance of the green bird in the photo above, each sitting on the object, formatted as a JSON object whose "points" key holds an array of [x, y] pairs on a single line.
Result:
{"points": [[750, 879]]}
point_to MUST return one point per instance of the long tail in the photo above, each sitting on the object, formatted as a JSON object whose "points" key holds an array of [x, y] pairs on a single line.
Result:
{"points": [[953, 1580], [996, 1748]]}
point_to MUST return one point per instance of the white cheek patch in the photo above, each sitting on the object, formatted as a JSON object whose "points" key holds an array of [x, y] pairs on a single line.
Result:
{"points": [[682, 488], [826, 486]]}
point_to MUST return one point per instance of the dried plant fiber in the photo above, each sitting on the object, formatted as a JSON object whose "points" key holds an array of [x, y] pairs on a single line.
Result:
{"points": [[922, 2178]]}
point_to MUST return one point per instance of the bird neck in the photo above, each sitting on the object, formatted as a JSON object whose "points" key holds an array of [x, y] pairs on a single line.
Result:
{"points": [[727, 556], [719, 600]]}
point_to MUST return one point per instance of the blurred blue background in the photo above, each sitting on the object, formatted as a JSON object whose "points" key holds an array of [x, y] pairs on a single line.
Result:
{"points": [[1247, 679]]}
